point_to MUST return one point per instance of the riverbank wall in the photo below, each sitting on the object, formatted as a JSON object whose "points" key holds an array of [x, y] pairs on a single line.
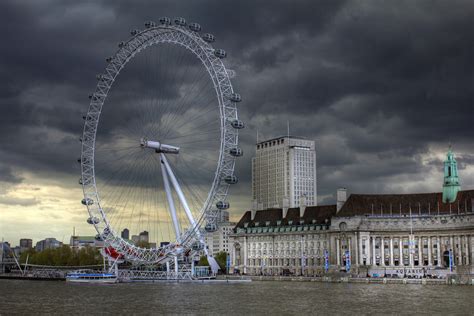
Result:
{"points": [[454, 280]]}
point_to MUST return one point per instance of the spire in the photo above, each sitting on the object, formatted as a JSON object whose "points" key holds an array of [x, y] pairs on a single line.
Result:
{"points": [[451, 185]]}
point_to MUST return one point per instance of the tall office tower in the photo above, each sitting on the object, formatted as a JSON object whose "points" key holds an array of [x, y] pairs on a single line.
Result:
{"points": [[284, 173], [125, 234], [143, 236]]}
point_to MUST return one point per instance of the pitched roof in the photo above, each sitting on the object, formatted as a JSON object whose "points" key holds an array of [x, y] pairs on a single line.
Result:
{"points": [[419, 204], [318, 214]]}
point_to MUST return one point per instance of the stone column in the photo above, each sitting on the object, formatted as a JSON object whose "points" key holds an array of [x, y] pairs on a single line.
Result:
{"points": [[391, 251], [430, 262], [245, 254], [467, 249], [374, 259], [451, 246], [400, 249], [369, 251], [355, 240], [420, 251], [349, 248], [459, 250], [382, 251], [438, 250], [338, 254], [411, 250]]}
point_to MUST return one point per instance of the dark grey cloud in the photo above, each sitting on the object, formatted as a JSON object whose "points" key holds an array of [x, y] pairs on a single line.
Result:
{"points": [[378, 84], [8, 175]]}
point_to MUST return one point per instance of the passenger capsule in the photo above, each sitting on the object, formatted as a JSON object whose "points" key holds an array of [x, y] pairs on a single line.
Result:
{"points": [[237, 124], [149, 24], [236, 152], [195, 27], [87, 201], [80, 139], [109, 59], [235, 97], [231, 73], [197, 246], [121, 44], [79, 160], [83, 183], [220, 53], [134, 32], [93, 97], [231, 179], [209, 38], [98, 237], [222, 205], [86, 117], [106, 232], [210, 228], [180, 21], [165, 20], [93, 220]]}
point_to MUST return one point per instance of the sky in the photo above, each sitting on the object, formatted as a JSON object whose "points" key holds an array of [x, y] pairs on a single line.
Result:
{"points": [[383, 87]]}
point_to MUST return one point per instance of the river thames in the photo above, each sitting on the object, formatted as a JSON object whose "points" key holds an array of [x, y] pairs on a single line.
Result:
{"points": [[282, 298]]}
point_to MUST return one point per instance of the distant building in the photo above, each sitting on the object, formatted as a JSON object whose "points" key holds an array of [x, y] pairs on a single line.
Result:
{"points": [[48, 243], [25, 244], [143, 237], [284, 173], [218, 240], [135, 239], [78, 242], [125, 234], [223, 216], [17, 251]]}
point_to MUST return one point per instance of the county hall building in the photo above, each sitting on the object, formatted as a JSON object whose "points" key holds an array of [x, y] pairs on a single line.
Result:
{"points": [[426, 234]]}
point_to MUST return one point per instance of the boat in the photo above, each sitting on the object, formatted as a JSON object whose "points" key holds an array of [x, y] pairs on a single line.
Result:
{"points": [[89, 276]]}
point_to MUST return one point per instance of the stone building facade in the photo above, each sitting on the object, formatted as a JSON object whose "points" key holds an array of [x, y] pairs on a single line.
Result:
{"points": [[406, 234]]}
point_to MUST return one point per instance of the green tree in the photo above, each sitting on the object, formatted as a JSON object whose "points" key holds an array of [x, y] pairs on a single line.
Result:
{"points": [[63, 256], [221, 258], [203, 261]]}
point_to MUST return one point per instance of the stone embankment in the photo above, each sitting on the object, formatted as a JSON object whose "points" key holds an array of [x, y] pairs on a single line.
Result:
{"points": [[337, 279]]}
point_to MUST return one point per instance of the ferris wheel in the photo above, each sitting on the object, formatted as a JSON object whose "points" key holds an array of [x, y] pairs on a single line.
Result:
{"points": [[159, 143]]}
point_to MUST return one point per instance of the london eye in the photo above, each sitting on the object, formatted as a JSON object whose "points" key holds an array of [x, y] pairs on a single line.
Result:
{"points": [[160, 141]]}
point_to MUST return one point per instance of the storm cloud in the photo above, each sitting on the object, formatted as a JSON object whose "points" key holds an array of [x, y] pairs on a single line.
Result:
{"points": [[382, 86]]}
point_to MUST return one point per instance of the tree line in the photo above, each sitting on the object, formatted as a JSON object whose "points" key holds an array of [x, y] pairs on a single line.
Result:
{"points": [[63, 256]]}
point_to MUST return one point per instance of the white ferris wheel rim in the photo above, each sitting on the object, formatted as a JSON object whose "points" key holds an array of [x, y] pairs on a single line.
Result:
{"points": [[192, 41]]}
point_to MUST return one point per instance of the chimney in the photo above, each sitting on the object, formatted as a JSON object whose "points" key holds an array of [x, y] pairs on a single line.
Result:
{"points": [[286, 205], [253, 210], [302, 204], [341, 197]]}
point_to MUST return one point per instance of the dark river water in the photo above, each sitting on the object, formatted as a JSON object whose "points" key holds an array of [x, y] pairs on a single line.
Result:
{"points": [[269, 298]]}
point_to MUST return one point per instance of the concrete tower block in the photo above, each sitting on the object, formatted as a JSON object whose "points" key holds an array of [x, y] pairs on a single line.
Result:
{"points": [[341, 197]]}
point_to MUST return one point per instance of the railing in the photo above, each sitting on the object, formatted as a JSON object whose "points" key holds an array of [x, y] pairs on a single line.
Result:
{"points": [[143, 275]]}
